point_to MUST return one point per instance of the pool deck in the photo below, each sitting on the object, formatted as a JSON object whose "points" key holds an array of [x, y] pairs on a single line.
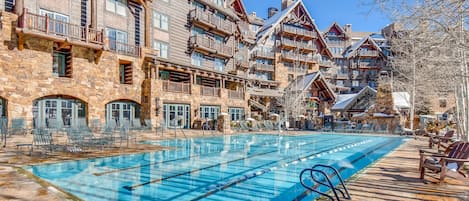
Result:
{"points": [[395, 177]]}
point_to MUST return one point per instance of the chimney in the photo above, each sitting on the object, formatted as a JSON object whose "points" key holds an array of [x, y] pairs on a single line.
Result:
{"points": [[253, 14], [348, 29], [286, 3], [271, 11]]}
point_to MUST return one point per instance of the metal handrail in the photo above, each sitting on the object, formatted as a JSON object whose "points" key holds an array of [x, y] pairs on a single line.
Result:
{"points": [[345, 193]]}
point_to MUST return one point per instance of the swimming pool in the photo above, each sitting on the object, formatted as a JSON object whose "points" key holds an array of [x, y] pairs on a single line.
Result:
{"points": [[237, 167]]}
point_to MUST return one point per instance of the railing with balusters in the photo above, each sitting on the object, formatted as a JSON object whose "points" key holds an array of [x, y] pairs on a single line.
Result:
{"points": [[179, 87]]}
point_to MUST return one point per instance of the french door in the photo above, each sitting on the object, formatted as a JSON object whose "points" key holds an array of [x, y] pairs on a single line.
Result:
{"points": [[57, 113], [177, 115]]}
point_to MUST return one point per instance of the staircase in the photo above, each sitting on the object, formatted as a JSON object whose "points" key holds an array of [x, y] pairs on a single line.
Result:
{"points": [[258, 105]]}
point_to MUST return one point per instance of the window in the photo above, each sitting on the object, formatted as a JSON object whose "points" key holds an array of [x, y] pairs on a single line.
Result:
{"points": [[116, 6], [160, 21], [162, 48], [355, 83], [125, 72], [195, 31], [117, 39], [340, 83], [197, 59], [355, 72], [236, 114], [219, 64], [218, 2], [62, 64], [209, 112], [56, 24]]}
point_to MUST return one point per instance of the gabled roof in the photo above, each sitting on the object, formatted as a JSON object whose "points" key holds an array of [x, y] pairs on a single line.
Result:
{"points": [[303, 83], [338, 27], [350, 52], [345, 101], [271, 23], [241, 4]]}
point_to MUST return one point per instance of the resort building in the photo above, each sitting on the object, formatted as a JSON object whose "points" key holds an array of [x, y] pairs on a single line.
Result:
{"points": [[171, 62], [359, 58]]}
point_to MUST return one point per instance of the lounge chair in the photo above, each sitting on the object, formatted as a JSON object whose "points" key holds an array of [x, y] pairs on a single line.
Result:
{"points": [[440, 140], [440, 163], [136, 125], [42, 139]]}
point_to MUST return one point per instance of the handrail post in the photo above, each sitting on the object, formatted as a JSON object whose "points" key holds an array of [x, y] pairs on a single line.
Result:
{"points": [[87, 31], [47, 24]]}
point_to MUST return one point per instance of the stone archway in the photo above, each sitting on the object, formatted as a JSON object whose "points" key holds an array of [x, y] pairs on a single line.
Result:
{"points": [[58, 111]]}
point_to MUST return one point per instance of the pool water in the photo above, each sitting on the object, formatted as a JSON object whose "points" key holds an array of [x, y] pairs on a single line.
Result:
{"points": [[237, 167]]}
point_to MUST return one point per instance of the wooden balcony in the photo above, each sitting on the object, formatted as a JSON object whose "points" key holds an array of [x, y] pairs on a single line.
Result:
{"points": [[334, 43], [232, 94], [177, 87], [368, 65], [223, 50], [307, 47], [342, 76], [290, 56], [202, 43], [263, 67], [242, 59], [124, 48], [286, 43], [288, 30], [245, 31], [368, 53], [59, 31], [297, 70], [210, 91], [326, 63], [307, 59], [210, 21], [263, 54]]}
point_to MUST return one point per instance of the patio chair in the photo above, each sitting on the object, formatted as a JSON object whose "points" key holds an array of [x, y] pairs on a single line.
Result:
{"points": [[136, 125], [440, 140], [358, 129], [244, 125], [125, 135], [440, 163], [18, 126], [42, 139]]}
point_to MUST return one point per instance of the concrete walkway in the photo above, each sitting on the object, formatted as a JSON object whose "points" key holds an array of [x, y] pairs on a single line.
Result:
{"points": [[394, 177]]}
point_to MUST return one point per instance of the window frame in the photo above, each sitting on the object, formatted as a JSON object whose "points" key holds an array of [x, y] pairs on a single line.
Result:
{"points": [[158, 21], [158, 45], [115, 9]]}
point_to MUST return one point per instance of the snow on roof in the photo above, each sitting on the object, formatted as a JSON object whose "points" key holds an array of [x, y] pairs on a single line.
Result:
{"points": [[356, 45], [382, 115], [343, 100], [401, 100]]}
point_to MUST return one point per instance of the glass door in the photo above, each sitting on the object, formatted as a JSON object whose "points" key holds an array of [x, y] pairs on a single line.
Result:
{"points": [[121, 113], [176, 115]]}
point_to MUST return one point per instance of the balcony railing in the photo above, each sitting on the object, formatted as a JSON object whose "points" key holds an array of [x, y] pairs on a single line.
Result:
{"points": [[296, 70], [209, 91], [178, 87], [223, 49], [202, 41], [342, 76], [232, 94], [290, 56], [124, 48], [287, 42], [263, 54], [211, 20], [297, 31], [307, 46], [369, 53], [46, 25], [263, 67], [336, 43]]}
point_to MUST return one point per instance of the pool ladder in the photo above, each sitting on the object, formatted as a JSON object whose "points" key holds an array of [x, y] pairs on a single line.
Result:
{"points": [[344, 192]]}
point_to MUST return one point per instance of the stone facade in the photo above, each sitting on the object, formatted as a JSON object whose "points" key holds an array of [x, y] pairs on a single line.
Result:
{"points": [[27, 76]]}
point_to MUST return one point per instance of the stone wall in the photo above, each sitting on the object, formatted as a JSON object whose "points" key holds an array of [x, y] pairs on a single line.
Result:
{"points": [[27, 75]]}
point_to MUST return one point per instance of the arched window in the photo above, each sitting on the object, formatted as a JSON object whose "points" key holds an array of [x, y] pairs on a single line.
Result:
{"points": [[58, 112]]}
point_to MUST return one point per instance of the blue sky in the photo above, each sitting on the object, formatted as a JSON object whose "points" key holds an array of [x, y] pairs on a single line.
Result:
{"points": [[360, 13]]}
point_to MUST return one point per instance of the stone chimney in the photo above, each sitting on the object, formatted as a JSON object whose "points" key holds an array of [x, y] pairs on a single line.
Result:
{"points": [[348, 29], [286, 3], [271, 11]]}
